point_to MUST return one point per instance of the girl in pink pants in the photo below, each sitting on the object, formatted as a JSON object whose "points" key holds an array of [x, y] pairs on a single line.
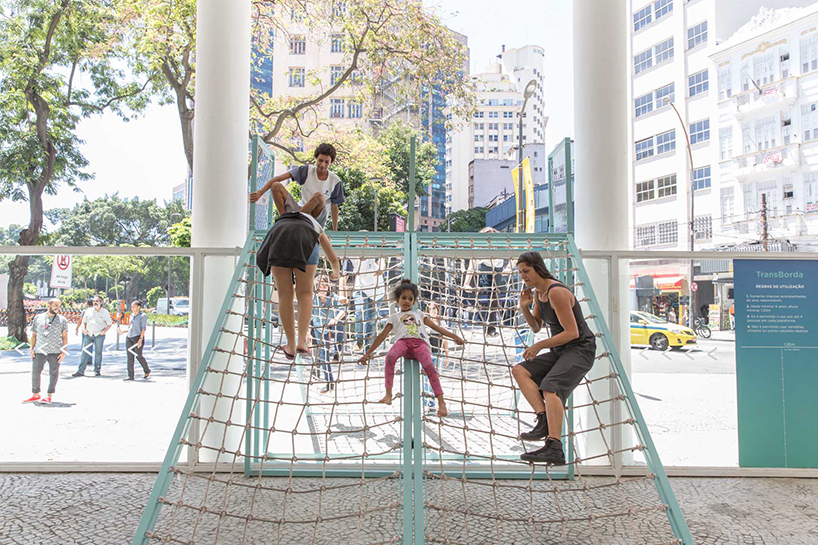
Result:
{"points": [[411, 341]]}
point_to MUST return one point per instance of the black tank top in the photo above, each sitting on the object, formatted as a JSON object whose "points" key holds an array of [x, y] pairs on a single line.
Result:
{"points": [[549, 318]]}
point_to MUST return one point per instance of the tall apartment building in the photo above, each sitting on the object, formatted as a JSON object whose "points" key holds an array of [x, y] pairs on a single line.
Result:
{"points": [[297, 56], [671, 43], [493, 131], [767, 128]]}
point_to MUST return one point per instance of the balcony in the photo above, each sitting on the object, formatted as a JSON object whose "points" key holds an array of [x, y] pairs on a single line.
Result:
{"points": [[758, 164], [774, 96]]}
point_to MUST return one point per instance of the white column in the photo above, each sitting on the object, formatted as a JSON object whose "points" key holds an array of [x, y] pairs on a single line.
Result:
{"points": [[601, 72], [220, 181]]}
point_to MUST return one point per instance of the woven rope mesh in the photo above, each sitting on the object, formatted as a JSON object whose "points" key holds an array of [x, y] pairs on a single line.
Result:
{"points": [[302, 452]]}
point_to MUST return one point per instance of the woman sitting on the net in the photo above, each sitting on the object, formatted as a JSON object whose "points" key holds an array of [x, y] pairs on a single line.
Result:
{"points": [[547, 380], [287, 248]]}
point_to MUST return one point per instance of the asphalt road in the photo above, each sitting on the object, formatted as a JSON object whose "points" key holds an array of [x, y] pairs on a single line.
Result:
{"points": [[709, 357]]}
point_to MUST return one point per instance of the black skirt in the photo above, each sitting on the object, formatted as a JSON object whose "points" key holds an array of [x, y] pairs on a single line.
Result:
{"points": [[289, 243]]}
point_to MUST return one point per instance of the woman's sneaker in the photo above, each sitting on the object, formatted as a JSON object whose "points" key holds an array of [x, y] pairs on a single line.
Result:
{"points": [[551, 453], [32, 399], [540, 430]]}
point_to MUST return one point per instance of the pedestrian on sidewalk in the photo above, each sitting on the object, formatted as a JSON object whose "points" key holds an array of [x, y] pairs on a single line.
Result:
{"points": [[49, 340], [135, 340], [95, 323], [733, 316]]}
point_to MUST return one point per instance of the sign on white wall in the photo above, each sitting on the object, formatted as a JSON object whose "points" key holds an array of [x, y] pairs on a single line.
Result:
{"points": [[61, 272]]}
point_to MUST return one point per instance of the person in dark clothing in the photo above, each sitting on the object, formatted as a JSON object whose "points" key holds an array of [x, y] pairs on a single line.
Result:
{"points": [[547, 380], [285, 250]]}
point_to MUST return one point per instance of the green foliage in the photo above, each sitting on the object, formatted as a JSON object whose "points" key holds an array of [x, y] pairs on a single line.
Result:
{"points": [[396, 141], [29, 288], [77, 297], [167, 319], [180, 233], [358, 211], [116, 221], [467, 221], [8, 343], [153, 296]]}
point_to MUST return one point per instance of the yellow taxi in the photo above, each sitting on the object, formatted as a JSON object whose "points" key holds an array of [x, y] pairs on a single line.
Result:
{"points": [[648, 329]]}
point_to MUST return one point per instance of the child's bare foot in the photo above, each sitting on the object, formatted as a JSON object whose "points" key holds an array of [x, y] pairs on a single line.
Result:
{"points": [[442, 410], [387, 399], [303, 348]]}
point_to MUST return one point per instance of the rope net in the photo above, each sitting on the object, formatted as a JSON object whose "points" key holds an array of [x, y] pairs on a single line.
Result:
{"points": [[283, 451]]}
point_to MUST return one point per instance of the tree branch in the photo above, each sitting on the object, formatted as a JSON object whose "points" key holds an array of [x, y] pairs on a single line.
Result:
{"points": [[102, 107]]}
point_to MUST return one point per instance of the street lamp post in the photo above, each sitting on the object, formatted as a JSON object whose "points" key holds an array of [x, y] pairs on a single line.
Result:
{"points": [[530, 88], [168, 291], [691, 320]]}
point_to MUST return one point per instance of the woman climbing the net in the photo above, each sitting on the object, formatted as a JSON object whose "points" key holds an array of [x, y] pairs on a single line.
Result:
{"points": [[547, 380], [411, 341]]}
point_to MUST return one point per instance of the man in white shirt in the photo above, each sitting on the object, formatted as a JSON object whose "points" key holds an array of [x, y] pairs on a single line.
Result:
{"points": [[95, 323], [367, 281]]}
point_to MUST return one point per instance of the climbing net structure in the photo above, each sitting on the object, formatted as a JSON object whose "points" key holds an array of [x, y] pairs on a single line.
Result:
{"points": [[270, 450]]}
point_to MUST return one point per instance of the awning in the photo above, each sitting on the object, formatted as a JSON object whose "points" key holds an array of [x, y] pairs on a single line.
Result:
{"points": [[670, 282]]}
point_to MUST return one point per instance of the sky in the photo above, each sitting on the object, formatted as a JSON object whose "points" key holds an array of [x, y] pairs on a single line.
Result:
{"points": [[144, 157]]}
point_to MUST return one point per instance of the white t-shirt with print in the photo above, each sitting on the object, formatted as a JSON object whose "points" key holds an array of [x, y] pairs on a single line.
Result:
{"points": [[409, 325]]}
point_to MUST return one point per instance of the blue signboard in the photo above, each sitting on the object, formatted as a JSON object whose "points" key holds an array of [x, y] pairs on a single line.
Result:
{"points": [[777, 362]]}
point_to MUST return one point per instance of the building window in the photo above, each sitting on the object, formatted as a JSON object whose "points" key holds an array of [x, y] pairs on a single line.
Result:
{"points": [[508, 115], [355, 110], [493, 126], [478, 115], [494, 102], [644, 149], [643, 60], [336, 44], [669, 92], [298, 45], [644, 191], [764, 69], [478, 149], [668, 232], [811, 192], [642, 17], [725, 83], [726, 143], [770, 189], [493, 149], [666, 142], [662, 8], [664, 51], [728, 204], [703, 227], [701, 178], [809, 54], [494, 115], [698, 83], [809, 121], [335, 74], [666, 186], [336, 108], [765, 133], [699, 131], [646, 235], [786, 129], [478, 137], [745, 77], [505, 138], [697, 35], [643, 104], [493, 138], [479, 126], [296, 77]]}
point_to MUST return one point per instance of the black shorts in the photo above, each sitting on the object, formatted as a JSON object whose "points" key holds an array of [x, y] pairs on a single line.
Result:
{"points": [[562, 372]]}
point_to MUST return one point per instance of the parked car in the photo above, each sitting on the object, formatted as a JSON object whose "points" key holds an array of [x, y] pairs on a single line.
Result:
{"points": [[648, 329], [179, 306]]}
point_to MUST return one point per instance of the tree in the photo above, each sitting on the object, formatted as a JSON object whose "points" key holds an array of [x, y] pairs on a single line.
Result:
{"points": [[467, 221], [153, 296], [180, 233], [57, 68], [392, 48], [395, 139], [358, 210]]}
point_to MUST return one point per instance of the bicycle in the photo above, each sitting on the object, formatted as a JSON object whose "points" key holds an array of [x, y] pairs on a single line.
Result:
{"points": [[702, 329]]}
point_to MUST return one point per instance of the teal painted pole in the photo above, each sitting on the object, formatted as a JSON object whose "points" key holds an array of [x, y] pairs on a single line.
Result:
{"points": [[412, 367], [569, 187], [411, 208], [550, 197]]}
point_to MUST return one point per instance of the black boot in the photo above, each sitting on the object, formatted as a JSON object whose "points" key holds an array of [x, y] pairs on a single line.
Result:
{"points": [[540, 429], [551, 453]]}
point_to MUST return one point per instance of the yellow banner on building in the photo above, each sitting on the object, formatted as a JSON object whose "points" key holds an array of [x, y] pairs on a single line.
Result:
{"points": [[515, 175], [530, 211]]}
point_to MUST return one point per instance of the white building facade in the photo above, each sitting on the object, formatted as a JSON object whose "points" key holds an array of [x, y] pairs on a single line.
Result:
{"points": [[767, 128], [671, 44], [493, 131]]}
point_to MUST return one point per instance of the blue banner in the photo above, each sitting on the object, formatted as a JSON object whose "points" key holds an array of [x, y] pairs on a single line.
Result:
{"points": [[777, 362]]}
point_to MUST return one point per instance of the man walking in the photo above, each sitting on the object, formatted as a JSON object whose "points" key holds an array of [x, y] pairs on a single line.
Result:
{"points": [[95, 323], [49, 339], [136, 338]]}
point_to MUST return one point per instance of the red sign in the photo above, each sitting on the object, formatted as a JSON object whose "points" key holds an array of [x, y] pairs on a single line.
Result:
{"points": [[63, 262], [694, 286]]}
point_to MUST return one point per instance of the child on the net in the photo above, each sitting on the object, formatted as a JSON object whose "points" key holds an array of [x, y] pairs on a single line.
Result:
{"points": [[411, 341]]}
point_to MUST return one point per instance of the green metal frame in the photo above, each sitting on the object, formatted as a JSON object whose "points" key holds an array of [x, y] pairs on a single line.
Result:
{"points": [[563, 148], [411, 459]]}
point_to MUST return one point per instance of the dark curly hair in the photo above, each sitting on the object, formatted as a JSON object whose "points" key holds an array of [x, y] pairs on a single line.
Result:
{"points": [[535, 261], [404, 285], [325, 149]]}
